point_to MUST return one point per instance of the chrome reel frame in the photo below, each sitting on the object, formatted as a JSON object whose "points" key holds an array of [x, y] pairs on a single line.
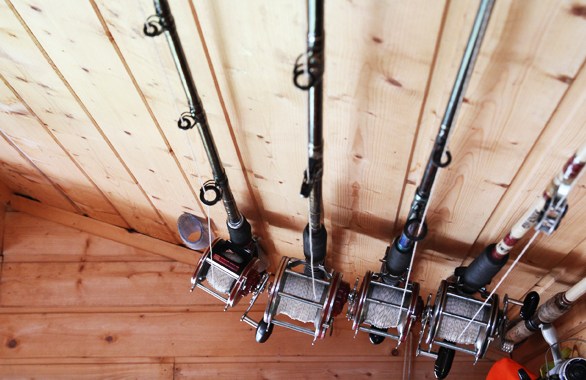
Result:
{"points": [[331, 279], [358, 306], [249, 277], [433, 316]]}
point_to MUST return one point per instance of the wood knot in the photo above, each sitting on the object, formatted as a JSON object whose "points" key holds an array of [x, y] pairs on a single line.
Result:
{"points": [[12, 343]]}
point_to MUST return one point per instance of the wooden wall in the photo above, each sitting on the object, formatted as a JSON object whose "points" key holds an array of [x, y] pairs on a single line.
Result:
{"points": [[88, 108], [76, 305]]}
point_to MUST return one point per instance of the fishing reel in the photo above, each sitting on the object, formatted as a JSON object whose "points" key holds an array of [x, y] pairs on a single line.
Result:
{"points": [[377, 307], [229, 272], [452, 322], [292, 295], [564, 360]]}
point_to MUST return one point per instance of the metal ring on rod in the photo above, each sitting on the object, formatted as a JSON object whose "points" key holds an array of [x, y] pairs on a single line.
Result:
{"points": [[447, 317], [376, 307], [292, 295], [230, 273]]}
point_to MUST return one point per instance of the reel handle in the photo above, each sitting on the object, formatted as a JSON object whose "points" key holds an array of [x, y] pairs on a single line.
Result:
{"points": [[443, 362], [529, 307]]}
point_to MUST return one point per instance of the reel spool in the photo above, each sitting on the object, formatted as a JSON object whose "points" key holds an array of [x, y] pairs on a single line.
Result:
{"points": [[447, 318], [376, 307], [292, 295], [230, 271]]}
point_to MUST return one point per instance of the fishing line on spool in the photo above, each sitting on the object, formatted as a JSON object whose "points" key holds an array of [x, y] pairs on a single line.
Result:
{"points": [[206, 209]]}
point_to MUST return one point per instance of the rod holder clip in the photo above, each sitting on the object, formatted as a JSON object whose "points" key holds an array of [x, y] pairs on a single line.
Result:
{"points": [[552, 216], [310, 176]]}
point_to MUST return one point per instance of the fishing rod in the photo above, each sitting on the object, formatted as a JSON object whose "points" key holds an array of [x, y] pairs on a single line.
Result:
{"points": [[231, 267], [398, 255], [306, 290], [545, 216], [458, 318], [558, 305], [388, 300]]}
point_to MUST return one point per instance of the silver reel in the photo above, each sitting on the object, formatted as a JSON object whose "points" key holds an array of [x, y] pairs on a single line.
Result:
{"points": [[230, 273], [376, 307], [292, 295], [444, 323]]}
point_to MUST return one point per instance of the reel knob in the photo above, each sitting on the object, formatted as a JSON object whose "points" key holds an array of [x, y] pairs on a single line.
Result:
{"points": [[263, 331], [529, 307], [375, 338]]}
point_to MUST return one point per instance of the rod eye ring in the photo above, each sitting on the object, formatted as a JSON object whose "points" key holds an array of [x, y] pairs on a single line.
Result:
{"points": [[304, 77], [186, 121], [153, 26], [210, 185], [437, 159], [415, 237]]}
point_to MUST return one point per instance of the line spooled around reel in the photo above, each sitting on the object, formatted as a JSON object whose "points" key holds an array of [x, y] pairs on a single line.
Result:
{"points": [[378, 307]]}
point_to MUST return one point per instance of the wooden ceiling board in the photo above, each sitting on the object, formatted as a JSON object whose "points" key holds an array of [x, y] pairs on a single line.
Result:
{"points": [[34, 77]]}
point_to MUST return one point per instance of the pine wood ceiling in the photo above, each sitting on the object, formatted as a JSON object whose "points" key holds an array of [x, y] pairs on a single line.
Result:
{"points": [[88, 108]]}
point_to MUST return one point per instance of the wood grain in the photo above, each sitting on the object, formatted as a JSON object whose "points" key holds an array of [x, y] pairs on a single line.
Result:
{"points": [[26, 132], [87, 371], [137, 243], [521, 84], [23, 178], [41, 86], [393, 369], [81, 50]]}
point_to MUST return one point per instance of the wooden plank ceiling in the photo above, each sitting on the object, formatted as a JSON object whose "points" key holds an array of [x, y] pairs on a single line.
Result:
{"points": [[88, 110]]}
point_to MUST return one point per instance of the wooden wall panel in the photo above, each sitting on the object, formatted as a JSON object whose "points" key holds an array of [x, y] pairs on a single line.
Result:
{"points": [[81, 50], [22, 177], [25, 131], [25, 234], [54, 103], [422, 369], [87, 371]]}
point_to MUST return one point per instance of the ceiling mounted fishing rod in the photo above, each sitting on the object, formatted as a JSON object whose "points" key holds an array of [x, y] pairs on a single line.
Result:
{"points": [[388, 300], [231, 268], [399, 255], [305, 290], [516, 332], [458, 318]]}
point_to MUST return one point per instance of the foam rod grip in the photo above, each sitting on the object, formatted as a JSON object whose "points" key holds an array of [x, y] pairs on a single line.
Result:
{"points": [[397, 260], [318, 244], [241, 235], [482, 270]]}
